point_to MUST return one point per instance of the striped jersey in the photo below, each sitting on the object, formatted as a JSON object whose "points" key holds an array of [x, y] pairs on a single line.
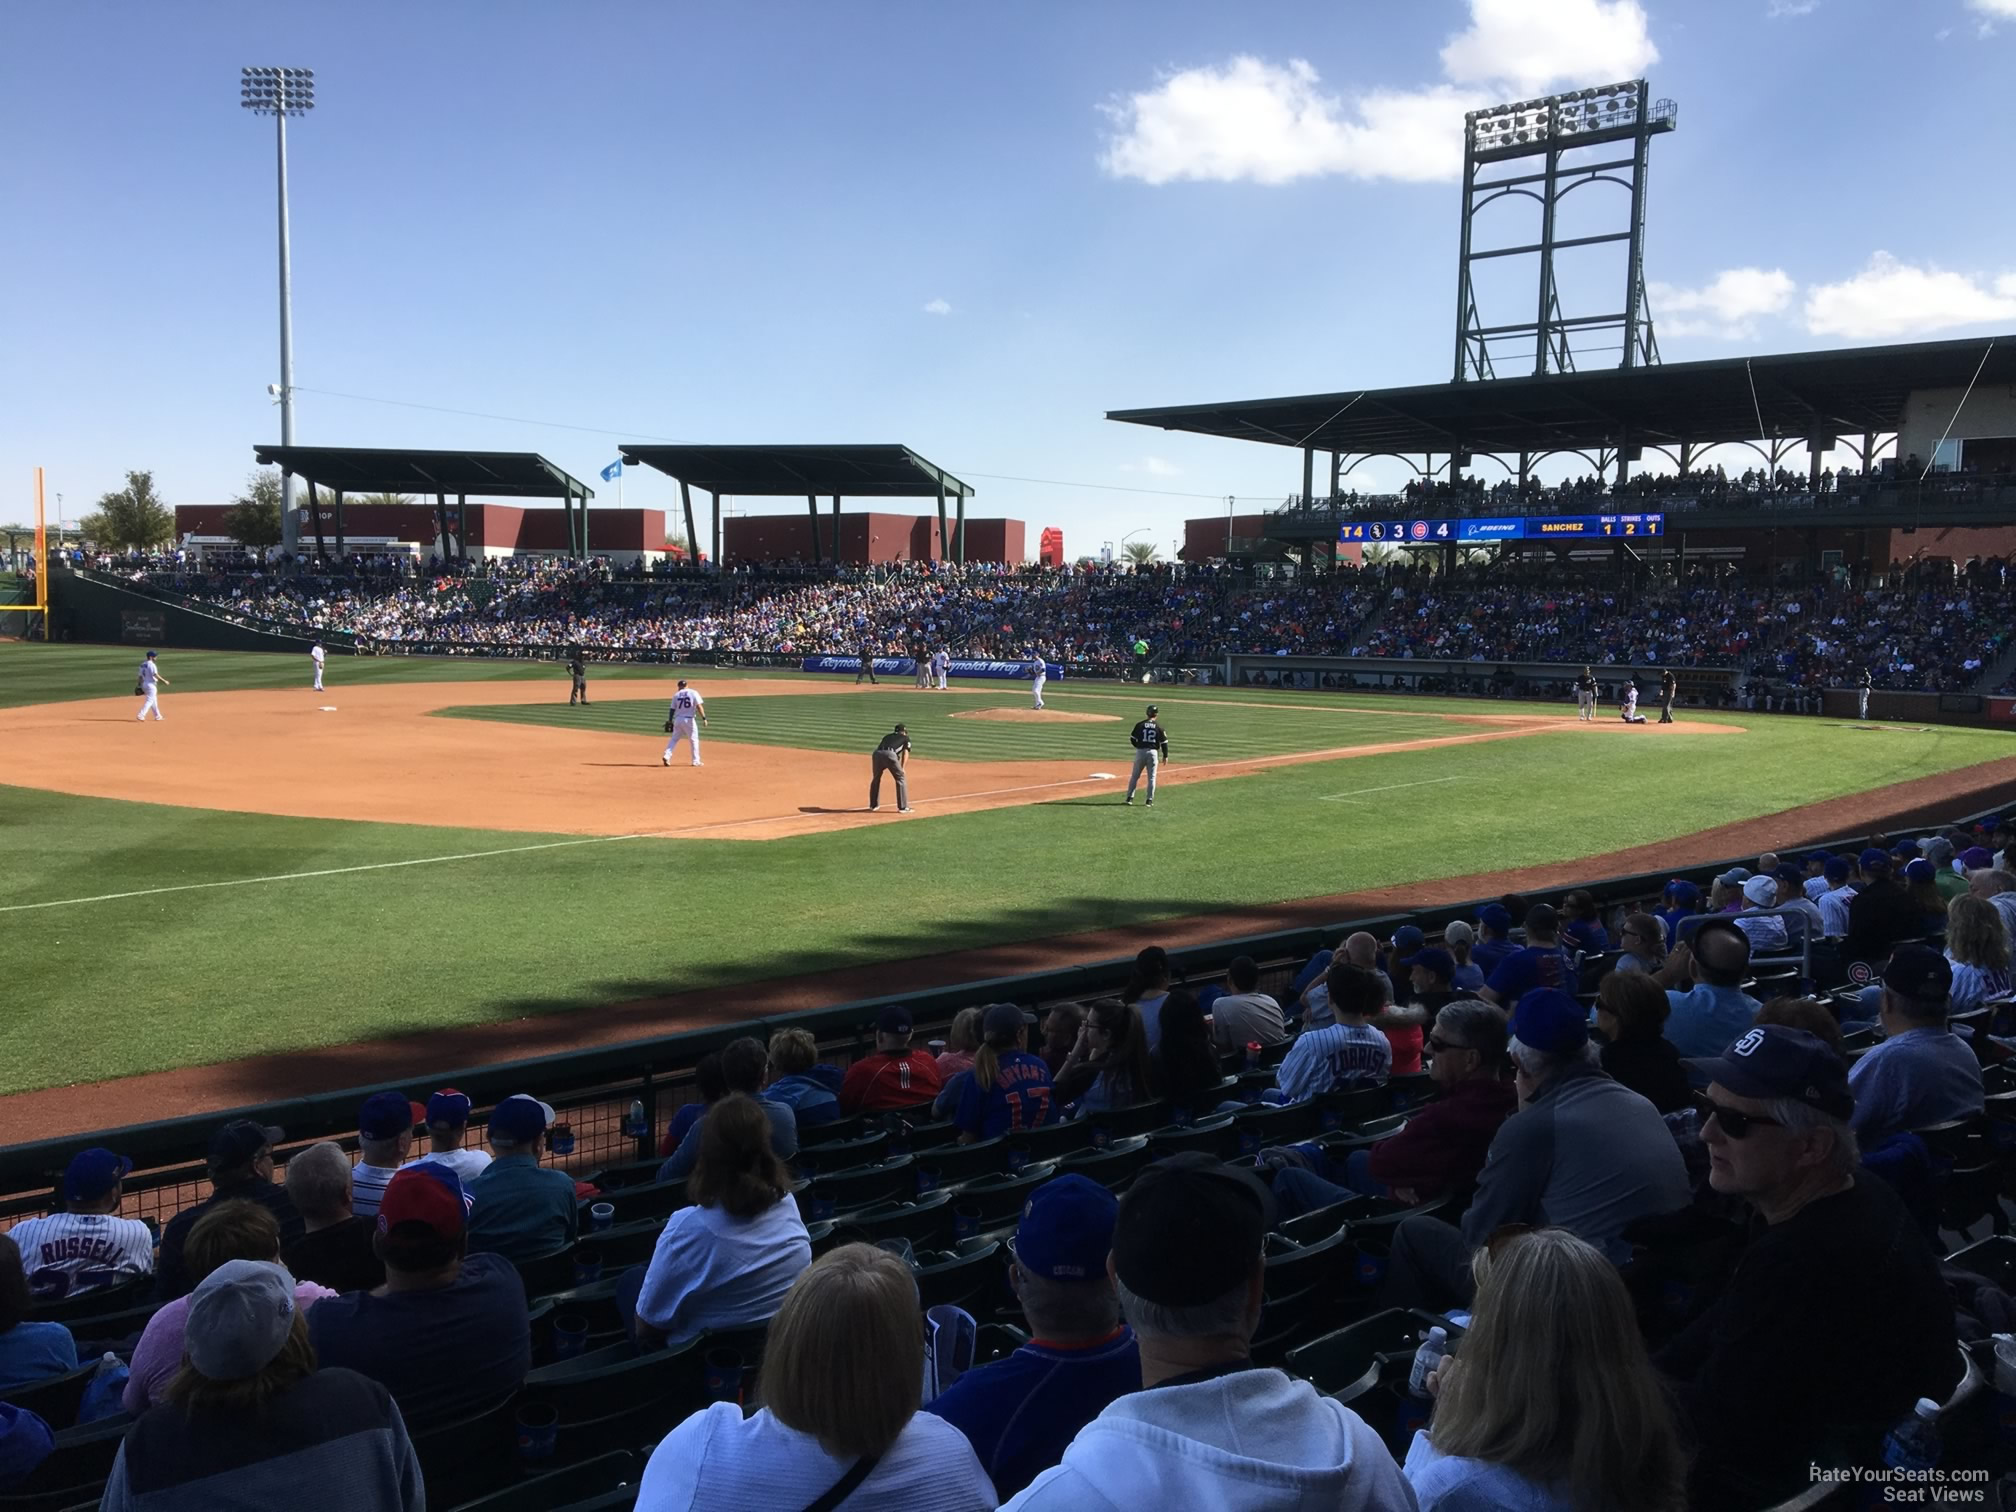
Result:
{"points": [[72, 1253], [685, 705]]}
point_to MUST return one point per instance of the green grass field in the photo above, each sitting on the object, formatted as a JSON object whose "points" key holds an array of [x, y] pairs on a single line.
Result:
{"points": [[186, 971]]}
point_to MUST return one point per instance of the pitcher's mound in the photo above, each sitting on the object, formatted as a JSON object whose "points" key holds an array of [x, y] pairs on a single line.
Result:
{"points": [[1037, 716]]}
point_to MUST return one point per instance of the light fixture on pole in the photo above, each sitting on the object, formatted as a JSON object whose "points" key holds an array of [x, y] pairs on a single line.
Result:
{"points": [[281, 92]]}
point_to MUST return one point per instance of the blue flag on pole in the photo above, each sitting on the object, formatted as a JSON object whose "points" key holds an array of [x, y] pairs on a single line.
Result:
{"points": [[611, 472]]}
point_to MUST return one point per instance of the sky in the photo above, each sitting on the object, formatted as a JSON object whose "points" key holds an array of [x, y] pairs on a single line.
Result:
{"points": [[971, 229]]}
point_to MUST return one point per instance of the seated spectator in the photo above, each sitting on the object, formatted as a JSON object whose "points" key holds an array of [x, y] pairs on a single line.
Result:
{"points": [[1920, 883], [1681, 900], [339, 1249], [1360, 950], [1429, 984], [447, 1121], [248, 1421], [1950, 883], [29, 1351], [1584, 1153], [241, 1168], [1714, 1008], [522, 1210], [1552, 1402], [235, 1230], [1838, 894], [1999, 888], [1245, 1015], [793, 1054], [384, 1141], [437, 1303], [1345, 1053], [1021, 1413], [745, 1065], [1060, 1032], [1541, 962], [1458, 939], [25, 1441], [1881, 914], [1311, 972], [87, 1247], [1816, 881], [1809, 1014], [839, 1427], [1494, 938], [712, 1087], [1185, 1067], [1630, 1020], [1804, 923], [728, 1260], [1834, 1322], [1922, 1073], [1208, 1428], [1641, 945], [1108, 1067], [1977, 948], [1147, 988], [896, 1075], [962, 1039], [1008, 1089], [1582, 923], [1765, 931]]}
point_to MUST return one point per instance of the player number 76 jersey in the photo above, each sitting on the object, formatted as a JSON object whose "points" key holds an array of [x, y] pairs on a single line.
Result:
{"points": [[685, 704]]}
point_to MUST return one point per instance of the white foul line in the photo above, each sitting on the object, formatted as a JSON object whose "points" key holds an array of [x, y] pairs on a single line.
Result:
{"points": [[1390, 787], [333, 871]]}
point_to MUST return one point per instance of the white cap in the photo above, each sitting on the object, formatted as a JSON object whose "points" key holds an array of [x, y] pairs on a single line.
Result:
{"points": [[239, 1318]]}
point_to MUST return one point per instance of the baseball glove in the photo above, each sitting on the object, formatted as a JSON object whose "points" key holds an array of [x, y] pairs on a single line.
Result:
{"points": [[139, 691], [668, 727]]}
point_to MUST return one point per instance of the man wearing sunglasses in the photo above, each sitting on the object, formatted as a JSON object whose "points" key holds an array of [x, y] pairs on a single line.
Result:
{"points": [[1834, 1321]]}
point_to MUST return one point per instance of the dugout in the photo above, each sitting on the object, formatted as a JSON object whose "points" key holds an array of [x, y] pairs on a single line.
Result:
{"points": [[357, 470], [810, 472]]}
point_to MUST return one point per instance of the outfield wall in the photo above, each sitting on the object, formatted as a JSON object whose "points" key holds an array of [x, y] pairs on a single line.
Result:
{"points": [[86, 608]]}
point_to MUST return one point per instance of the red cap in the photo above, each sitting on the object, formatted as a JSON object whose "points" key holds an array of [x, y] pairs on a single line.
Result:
{"points": [[428, 1193]]}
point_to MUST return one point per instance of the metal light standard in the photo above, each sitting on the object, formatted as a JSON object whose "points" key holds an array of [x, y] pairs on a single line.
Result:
{"points": [[281, 92]]}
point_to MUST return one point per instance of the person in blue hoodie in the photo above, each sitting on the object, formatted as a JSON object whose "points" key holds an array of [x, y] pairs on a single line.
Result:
{"points": [[793, 1054]]}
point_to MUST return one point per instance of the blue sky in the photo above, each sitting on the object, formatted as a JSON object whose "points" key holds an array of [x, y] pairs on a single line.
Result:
{"points": [[971, 229]]}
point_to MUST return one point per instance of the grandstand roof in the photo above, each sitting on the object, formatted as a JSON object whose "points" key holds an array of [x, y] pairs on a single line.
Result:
{"points": [[855, 472], [1793, 394], [366, 469]]}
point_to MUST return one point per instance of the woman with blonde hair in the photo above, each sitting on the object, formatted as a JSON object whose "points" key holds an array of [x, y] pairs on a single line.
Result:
{"points": [[961, 1040], [1551, 1402], [1977, 944], [839, 1426]]}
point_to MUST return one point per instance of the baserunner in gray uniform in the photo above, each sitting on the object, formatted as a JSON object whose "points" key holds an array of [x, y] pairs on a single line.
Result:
{"points": [[1151, 749]]}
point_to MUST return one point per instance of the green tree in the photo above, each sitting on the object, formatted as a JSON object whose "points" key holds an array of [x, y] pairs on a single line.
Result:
{"points": [[1141, 553], [378, 498], [134, 516], [254, 518]]}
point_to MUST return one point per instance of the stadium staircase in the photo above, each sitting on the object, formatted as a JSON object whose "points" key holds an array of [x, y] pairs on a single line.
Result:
{"points": [[1999, 672]]}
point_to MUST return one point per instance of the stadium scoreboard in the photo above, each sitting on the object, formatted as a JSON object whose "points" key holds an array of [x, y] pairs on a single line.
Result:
{"points": [[1485, 531]]}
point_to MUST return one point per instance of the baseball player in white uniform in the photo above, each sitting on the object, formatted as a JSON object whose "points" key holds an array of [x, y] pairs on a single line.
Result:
{"points": [[151, 683], [315, 655], [86, 1247], [941, 663], [687, 706], [1039, 673], [1631, 714]]}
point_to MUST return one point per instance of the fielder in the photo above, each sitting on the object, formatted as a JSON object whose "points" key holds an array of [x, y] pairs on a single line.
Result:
{"points": [[150, 685], [1039, 674], [1861, 695], [1631, 714], [686, 707], [941, 663], [1151, 749], [316, 655], [1585, 696]]}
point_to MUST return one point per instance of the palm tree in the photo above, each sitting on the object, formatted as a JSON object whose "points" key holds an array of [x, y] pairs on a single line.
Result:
{"points": [[1140, 553], [383, 498]]}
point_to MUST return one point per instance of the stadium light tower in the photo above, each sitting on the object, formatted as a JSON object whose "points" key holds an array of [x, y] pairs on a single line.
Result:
{"points": [[281, 92]]}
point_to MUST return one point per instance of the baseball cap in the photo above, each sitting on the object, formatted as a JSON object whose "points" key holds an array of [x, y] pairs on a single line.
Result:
{"points": [[1938, 850], [893, 1020], [1434, 960], [386, 1115], [1551, 1021], [1920, 870], [1456, 932], [521, 1119], [1818, 858], [1190, 1229], [1004, 1020], [1874, 857], [1791, 874], [239, 1318], [1919, 974], [1154, 708], [1877, 865], [1977, 858], [1680, 888], [1066, 1230], [1736, 876], [1774, 1061], [429, 1194], [1495, 916], [449, 1108], [1761, 891], [1406, 940], [239, 1141], [92, 1173], [1838, 868]]}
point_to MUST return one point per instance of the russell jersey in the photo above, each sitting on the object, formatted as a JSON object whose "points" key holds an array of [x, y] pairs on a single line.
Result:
{"points": [[73, 1253]]}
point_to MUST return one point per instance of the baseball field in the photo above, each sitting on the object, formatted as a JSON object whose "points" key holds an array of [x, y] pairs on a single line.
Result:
{"points": [[444, 855]]}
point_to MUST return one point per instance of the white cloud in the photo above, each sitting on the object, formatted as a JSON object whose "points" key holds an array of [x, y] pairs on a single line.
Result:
{"points": [[1271, 123], [1787, 10], [1889, 298], [1155, 467], [2006, 9], [1725, 308], [937, 307]]}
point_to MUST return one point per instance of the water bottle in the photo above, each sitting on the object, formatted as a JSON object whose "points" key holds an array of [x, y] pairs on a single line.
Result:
{"points": [[1429, 1357], [633, 1125], [1914, 1443]]}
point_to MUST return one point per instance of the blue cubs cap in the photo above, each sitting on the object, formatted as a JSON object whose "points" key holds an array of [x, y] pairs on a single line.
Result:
{"points": [[1004, 1020], [1680, 888], [1838, 868], [520, 1119], [1407, 939], [1919, 974], [1551, 1021], [1495, 916], [1818, 858], [1791, 874], [1872, 855], [1774, 1061], [387, 1115], [448, 1108], [1434, 960], [92, 1173], [1066, 1230], [893, 1020], [1920, 870]]}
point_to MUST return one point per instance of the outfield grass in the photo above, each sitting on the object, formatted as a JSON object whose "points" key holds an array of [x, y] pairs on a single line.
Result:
{"points": [[188, 977]]}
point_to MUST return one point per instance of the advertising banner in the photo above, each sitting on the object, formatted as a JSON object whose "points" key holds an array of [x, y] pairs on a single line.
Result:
{"points": [[906, 666]]}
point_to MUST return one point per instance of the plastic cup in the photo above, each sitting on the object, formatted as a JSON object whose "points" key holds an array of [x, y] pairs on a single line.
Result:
{"points": [[601, 1215], [587, 1268], [538, 1432], [561, 1139], [724, 1375], [570, 1336], [1252, 1055], [965, 1220]]}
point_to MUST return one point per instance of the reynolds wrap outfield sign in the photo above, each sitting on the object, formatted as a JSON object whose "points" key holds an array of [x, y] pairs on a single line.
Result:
{"points": [[899, 666]]}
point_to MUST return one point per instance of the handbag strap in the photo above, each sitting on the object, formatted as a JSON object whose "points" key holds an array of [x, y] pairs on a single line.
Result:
{"points": [[847, 1485]]}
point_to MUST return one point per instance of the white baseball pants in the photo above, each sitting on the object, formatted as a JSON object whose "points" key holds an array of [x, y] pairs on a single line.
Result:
{"points": [[684, 729], [153, 704]]}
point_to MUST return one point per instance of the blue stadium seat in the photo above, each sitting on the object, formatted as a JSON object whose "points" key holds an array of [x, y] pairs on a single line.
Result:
{"points": [[1112, 1167], [961, 1280], [860, 1186], [839, 1154], [926, 1222], [75, 1470], [596, 1485]]}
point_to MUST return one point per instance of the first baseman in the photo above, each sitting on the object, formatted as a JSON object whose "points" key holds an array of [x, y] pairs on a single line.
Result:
{"points": [[316, 655], [151, 683], [941, 663], [686, 707], [1151, 749]]}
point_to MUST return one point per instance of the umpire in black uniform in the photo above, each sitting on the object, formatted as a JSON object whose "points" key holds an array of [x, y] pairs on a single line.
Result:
{"points": [[1669, 686], [889, 757], [867, 663], [577, 668]]}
